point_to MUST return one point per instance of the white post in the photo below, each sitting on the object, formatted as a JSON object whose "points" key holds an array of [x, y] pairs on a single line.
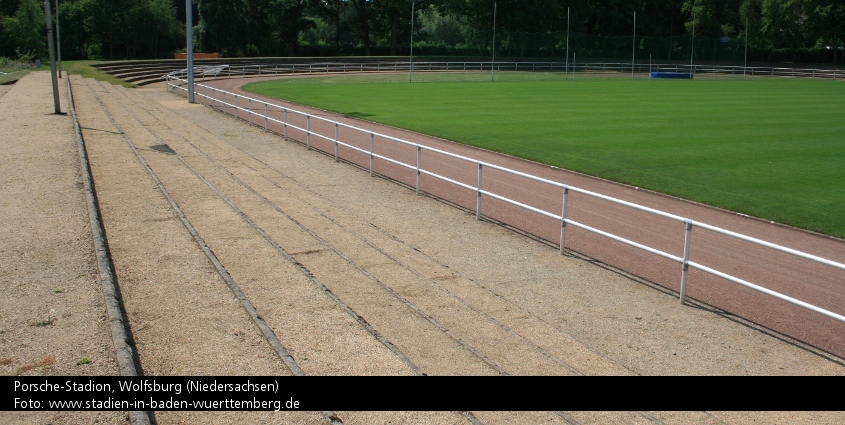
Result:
{"points": [[563, 219], [190, 50], [478, 195], [419, 164], [685, 264]]}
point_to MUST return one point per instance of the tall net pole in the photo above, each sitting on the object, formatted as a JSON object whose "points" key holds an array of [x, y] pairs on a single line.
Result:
{"points": [[566, 72], [493, 61], [745, 67], [692, 47], [411, 58], [634, 45], [189, 30]]}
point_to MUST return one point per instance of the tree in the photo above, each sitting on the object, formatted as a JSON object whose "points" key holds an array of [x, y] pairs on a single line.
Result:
{"points": [[332, 12], [158, 29], [363, 16], [824, 25], [781, 23], [25, 31], [221, 27], [288, 19], [76, 38], [392, 12]]}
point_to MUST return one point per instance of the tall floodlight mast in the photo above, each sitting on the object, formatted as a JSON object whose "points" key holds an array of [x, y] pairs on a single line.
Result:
{"points": [[189, 30]]}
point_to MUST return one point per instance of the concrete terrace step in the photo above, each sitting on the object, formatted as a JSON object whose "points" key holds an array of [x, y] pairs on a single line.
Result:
{"points": [[145, 72]]}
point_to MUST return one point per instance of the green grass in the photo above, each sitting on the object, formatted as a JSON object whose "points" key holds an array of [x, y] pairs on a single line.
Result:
{"points": [[8, 75], [85, 69], [81, 67], [772, 148]]}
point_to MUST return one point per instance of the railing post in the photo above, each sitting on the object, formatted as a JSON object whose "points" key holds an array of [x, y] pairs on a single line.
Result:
{"points": [[419, 158], [236, 106], [265, 116], [478, 195], [285, 123], [563, 218], [372, 146], [685, 264], [249, 108], [308, 132], [335, 142]]}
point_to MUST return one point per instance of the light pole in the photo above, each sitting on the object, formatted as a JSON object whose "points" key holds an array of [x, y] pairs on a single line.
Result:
{"points": [[190, 41], [58, 39], [49, 19]]}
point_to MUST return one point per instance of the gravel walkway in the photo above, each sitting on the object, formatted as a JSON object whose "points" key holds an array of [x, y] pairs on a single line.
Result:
{"points": [[52, 316]]}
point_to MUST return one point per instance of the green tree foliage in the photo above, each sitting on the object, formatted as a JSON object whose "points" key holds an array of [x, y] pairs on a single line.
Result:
{"points": [[287, 20], [24, 32], [777, 29]]}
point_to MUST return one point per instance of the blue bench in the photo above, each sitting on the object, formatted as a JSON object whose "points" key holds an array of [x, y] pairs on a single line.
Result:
{"points": [[677, 75]]}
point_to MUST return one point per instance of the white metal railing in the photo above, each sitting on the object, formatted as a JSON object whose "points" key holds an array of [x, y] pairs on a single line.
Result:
{"points": [[384, 66], [254, 107]]}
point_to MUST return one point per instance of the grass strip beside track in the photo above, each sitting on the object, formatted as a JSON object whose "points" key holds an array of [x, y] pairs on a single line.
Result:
{"points": [[84, 68], [772, 148]]}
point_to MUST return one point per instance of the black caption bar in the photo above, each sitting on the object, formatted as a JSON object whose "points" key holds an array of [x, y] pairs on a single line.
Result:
{"points": [[284, 393]]}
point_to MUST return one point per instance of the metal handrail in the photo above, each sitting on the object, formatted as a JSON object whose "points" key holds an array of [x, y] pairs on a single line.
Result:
{"points": [[684, 260]]}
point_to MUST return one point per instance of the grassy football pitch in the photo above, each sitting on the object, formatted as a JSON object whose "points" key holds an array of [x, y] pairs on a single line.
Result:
{"points": [[768, 147]]}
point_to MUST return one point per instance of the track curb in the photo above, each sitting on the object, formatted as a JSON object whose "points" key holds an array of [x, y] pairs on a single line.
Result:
{"points": [[127, 356]]}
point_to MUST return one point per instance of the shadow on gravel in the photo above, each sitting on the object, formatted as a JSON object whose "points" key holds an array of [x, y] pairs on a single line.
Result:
{"points": [[163, 149]]}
